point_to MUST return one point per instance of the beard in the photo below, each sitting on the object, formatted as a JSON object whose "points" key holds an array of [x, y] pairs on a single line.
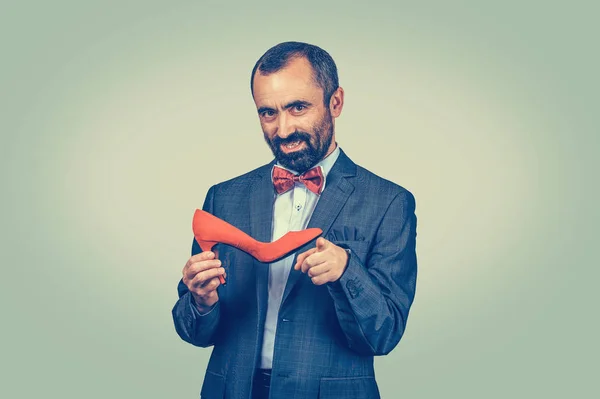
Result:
{"points": [[315, 150]]}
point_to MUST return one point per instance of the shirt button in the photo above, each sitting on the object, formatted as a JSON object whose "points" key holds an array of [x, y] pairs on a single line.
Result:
{"points": [[298, 207]]}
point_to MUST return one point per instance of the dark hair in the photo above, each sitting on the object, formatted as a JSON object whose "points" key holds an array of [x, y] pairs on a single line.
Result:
{"points": [[277, 57]]}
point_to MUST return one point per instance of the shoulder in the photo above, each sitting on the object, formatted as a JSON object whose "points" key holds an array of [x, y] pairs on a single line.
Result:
{"points": [[243, 181], [382, 189], [368, 184]]}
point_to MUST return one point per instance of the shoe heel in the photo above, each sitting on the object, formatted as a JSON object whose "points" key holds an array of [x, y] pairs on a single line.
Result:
{"points": [[207, 246]]}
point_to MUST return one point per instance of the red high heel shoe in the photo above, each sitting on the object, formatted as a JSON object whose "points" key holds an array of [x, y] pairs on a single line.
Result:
{"points": [[209, 230]]}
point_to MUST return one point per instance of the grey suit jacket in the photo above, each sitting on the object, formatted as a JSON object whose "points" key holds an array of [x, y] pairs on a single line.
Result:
{"points": [[326, 335]]}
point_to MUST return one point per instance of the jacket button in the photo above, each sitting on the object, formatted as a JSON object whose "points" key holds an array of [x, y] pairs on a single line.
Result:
{"points": [[351, 286]]}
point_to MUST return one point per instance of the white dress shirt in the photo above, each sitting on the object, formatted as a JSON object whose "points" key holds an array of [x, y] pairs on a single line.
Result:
{"points": [[292, 211]]}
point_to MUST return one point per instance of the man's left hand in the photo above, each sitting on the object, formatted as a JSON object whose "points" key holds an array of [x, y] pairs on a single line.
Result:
{"points": [[323, 264]]}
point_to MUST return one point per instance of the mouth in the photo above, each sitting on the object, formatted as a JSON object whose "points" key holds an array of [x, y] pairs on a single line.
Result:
{"points": [[293, 146]]}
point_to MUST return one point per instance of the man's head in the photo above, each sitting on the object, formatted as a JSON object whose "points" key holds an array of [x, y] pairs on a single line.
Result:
{"points": [[296, 92]]}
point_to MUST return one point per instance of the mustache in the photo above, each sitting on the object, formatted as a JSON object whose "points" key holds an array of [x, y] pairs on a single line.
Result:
{"points": [[296, 136]]}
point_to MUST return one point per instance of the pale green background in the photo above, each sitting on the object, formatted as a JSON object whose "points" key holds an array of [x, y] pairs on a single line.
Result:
{"points": [[117, 116]]}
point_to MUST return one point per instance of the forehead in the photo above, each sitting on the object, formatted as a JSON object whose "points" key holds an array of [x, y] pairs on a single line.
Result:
{"points": [[293, 82]]}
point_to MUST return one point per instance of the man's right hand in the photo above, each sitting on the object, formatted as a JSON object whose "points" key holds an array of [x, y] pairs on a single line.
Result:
{"points": [[201, 276]]}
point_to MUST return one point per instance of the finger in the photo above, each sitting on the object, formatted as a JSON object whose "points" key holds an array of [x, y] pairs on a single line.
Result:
{"points": [[202, 266], [300, 259], [206, 255], [322, 244], [207, 288], [199, 268], [323, 278], [318, 269], [221, 277], [201, 279], [304, 255], [313, 260], [210, 284]]}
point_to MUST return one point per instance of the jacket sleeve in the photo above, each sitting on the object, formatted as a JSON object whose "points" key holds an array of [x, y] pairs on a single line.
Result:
{"points": [[192, 326], [372, 301]]}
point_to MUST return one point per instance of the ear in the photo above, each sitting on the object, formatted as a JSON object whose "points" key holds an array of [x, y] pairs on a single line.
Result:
{"points": [[336, 103]]}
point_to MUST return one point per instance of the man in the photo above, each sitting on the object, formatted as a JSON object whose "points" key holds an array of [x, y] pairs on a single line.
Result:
{"points": [[308, 325]]}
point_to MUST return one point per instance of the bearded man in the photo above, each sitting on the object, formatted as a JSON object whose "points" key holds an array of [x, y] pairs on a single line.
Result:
{"points": [[308, 325]]}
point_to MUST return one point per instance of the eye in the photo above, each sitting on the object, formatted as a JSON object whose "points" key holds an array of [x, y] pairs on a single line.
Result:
{"points": [[299, 109], [267, 114]]}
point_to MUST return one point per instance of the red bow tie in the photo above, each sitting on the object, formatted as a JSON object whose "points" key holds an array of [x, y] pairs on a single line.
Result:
{"points": [[283, 180]]}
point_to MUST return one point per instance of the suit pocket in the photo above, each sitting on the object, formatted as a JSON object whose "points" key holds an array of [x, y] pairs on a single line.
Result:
{"points": [[348, 388], [213, 386]]}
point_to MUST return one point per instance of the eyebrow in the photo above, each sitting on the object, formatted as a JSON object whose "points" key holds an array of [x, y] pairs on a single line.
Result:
{"points": [[296, 103], [287, 106], [263, 109]]}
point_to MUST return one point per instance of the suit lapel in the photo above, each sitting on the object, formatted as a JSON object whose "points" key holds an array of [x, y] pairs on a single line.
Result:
{"points": [[262, 198], [336, 193]]}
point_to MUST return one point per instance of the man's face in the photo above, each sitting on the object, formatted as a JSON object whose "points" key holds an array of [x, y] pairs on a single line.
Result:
{"points": [[296, 124]]}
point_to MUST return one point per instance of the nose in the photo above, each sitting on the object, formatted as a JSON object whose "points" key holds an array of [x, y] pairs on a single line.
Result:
{"points": [[285, 126]]}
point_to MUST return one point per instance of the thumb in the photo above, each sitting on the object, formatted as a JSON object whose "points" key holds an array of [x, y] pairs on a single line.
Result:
{"points": [[321, 244]]}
